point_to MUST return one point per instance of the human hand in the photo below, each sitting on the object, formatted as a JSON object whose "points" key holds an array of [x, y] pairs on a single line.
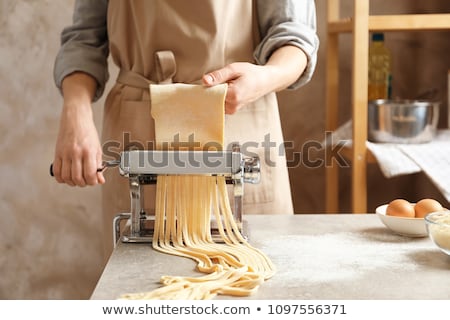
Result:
{"points": [[247, 82], [78, 151]]}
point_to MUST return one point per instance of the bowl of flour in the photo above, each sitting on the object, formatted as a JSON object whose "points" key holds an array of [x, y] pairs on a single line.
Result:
{"points": [[438, 228]]}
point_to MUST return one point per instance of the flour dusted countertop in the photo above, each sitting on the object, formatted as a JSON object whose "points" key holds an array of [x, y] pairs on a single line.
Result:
{"points": [[318, 256]]}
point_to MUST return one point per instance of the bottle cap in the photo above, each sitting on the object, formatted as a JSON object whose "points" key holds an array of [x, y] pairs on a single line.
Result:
{"points": [[378, 37]]}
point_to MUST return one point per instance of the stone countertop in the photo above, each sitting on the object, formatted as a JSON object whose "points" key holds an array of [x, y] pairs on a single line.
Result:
{"points": [[318, 256]]}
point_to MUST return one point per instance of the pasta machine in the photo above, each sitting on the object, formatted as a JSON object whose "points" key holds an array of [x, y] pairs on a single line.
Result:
{"points": [[142, 167]]}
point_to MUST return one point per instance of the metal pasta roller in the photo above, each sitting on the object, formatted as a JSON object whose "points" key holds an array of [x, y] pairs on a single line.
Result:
{"points": [[142, 167]]}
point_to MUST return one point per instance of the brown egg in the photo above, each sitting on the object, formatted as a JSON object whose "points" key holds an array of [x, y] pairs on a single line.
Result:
{"points": [[426, 206], [400, 208]]}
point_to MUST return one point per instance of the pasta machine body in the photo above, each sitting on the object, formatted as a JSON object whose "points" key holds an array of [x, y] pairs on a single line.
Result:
{"points": [[142, 167]]}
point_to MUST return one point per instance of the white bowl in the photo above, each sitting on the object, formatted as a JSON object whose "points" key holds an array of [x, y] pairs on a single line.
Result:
{"points": [[409, 227]]}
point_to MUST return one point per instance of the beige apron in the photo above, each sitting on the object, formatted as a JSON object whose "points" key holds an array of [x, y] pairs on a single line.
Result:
{"points": [[202, 35]]}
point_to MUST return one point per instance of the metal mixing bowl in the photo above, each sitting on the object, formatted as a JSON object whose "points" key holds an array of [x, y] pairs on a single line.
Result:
{"points": [[402, 121]]}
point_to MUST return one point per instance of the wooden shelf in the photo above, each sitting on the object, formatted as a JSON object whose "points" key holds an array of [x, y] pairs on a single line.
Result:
{"points": [[417, 22], [360, 24]]}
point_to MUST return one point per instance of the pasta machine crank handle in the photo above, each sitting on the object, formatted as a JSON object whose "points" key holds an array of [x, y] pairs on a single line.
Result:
{"points": [[105, 164]]}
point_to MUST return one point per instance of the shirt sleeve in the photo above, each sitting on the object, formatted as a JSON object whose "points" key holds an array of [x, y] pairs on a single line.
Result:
{"points": [[84, 44], [288, 22]]}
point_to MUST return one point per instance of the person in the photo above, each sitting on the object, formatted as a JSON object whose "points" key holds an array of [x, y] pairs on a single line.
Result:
{"points": [[257, 47]]}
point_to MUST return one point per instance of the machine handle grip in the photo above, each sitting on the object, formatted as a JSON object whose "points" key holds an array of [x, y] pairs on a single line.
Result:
{"points": [[105, 164]]}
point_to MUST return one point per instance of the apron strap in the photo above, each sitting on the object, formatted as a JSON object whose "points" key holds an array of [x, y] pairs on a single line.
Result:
{"points": [[166, 66], [165, 70], [133, 79]]}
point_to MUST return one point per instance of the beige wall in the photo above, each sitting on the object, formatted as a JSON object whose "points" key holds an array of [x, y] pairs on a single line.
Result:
{"points": [[49, 243], [49, 246]]}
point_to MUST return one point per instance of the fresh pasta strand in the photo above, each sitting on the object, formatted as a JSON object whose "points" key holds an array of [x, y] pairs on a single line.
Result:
{"points": [[234, 268]]}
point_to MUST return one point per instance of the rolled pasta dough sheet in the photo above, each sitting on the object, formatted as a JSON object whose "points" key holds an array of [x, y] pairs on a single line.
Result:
{"points": [[186, 110]]}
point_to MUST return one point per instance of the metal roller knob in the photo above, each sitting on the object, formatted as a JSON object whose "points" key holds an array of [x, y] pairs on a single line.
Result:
{"points": [[252, 170]]}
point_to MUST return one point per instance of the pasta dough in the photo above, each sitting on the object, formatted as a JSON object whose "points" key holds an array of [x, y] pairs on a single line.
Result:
{"points": [[186, 203], [190, 113]]}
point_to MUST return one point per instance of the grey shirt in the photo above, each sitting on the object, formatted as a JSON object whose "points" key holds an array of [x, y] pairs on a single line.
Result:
{"points": [[84, 44]]}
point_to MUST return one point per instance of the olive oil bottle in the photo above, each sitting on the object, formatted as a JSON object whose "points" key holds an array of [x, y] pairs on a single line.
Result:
{"points": [[380, 77]]}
